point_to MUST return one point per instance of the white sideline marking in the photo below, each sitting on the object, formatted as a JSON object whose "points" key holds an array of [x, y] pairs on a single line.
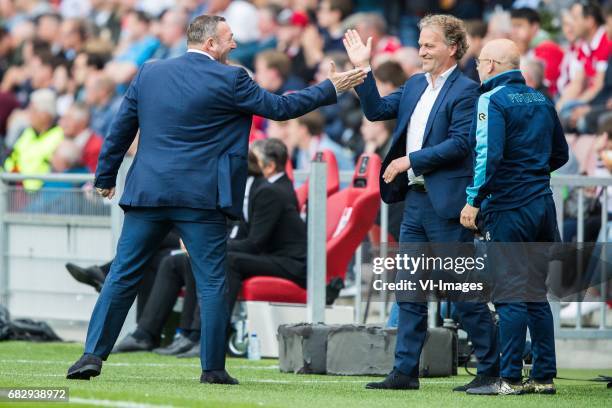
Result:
{"points": [[117, 404], [272, 367], [246, 380]]}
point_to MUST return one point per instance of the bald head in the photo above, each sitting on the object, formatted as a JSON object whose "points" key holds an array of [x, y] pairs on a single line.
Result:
{"points": [[498, 56]]}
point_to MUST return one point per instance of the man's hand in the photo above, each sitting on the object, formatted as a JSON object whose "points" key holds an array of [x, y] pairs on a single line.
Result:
{"points": [[468, 216], [358, 52], [106, 192], [343, 81], [396, 167]]}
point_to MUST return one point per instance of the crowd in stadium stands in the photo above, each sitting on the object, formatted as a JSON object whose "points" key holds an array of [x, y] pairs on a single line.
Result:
{"points": [[65, 64]]}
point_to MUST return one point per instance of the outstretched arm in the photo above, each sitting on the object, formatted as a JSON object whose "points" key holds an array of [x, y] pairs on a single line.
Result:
{"points": [[251, 98]]}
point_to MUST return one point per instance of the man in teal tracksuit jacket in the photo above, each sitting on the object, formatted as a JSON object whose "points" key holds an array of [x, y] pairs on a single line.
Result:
{"points": [[518, 143]]}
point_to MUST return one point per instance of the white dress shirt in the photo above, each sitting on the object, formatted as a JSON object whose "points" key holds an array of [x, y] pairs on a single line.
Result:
{"points": [[201, 52], [418, 120]]}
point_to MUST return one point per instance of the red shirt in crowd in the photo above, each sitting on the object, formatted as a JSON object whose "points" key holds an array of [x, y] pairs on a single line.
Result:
{"points": [[593, 56], [551, 54]]}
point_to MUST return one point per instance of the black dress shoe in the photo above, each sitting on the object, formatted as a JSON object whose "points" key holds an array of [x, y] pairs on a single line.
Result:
{"points": [[395, 381], [217, 377], [92, 276], [179, 345], [86, 367], [476, 382], [131, 343], [192, 352]]}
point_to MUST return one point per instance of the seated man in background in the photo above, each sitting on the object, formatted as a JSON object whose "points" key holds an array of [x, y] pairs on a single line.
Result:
{"points": [[275, 242]]}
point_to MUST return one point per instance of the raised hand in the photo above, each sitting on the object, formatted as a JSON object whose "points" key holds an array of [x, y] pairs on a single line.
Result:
{"points": [[358, 52], [343, 81]]}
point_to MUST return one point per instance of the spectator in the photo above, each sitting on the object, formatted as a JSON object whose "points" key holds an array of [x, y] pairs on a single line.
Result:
{"points": [[267, 25], [377, 136], [48, 30], [66, 159], [239, 15], [73, 37], [342, 119], [389, 77], [533, 72], [533, 42], [172, 35], [374, 25], [588, 118], [279, 130], [499, 25], [592, 55], [292, 25], [408, 58], [330, 15], [137, 45], [32, 152], [307, 131], [101, 99], [569, 65], [86, 64], [273, 73], [75, 124], [476, 34]]}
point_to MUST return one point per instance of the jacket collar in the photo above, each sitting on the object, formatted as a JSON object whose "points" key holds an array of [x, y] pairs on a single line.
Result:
{"points": [[513, 76]]}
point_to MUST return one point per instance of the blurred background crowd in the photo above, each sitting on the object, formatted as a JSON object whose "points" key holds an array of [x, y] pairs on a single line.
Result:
{"points": [[64, 65]]}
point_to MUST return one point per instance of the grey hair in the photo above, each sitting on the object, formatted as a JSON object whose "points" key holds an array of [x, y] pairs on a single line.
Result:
{"points": [[535, 68], [202, 28], [271, 151], [81, 110], [44, 100], [69, 152]]}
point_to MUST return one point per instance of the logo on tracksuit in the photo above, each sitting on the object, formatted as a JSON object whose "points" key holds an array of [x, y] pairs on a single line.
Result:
{"points": [[482, 116]]}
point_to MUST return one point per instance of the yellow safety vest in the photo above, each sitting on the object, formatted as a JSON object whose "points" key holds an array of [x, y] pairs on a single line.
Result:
{"points": [[32, 154]]}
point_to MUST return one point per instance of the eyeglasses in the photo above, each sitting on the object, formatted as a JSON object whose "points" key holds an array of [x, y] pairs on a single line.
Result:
{"points": [[478, 61]]}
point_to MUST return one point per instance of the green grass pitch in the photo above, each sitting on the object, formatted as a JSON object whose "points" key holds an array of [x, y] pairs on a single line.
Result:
{"points": [[148, 380]]}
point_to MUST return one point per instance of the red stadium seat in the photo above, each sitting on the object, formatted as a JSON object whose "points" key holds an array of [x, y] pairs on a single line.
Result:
{"points": [[350, 215], [333, 177]]}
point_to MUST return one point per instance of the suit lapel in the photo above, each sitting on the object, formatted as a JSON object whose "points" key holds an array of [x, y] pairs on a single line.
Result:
{"points": [[438, 103], [414, 94]]}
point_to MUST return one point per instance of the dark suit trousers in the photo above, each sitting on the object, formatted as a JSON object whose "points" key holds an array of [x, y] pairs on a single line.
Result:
{"points": [[241, 266], [174, 273], [421, 224], [204, 234], [149, 271]]}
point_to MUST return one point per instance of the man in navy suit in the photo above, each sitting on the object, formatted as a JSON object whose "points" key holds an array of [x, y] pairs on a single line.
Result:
{"points": [[194, 114], [429, 165]]}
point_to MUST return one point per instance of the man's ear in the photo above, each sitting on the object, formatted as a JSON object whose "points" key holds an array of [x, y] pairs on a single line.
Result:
{"points": [[453, 50], [209, 43]]}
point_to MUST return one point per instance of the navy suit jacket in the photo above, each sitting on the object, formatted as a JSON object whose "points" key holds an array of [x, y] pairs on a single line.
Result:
{"points": [[194, 116], [445, 159]]}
